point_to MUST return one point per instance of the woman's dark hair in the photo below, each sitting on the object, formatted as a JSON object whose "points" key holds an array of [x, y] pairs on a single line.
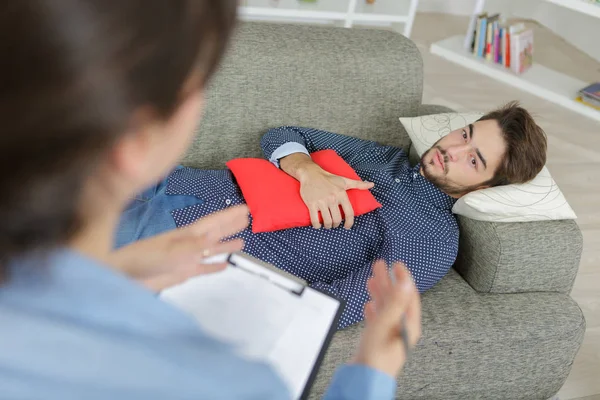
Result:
{"points": [[72, 74]]}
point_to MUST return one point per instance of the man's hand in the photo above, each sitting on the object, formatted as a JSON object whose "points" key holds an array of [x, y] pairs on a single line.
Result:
{"points": [[323, 192], [382, 346], [173, 257]]}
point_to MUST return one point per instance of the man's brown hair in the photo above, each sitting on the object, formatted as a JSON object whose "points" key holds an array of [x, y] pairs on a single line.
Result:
{"points": [[526, 145]]}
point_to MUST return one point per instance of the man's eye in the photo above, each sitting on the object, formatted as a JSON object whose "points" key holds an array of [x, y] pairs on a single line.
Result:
{"points": [[473, 162], [464, 135]]}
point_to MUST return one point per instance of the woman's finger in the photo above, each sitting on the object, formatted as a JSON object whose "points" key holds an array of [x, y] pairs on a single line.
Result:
{"points": [[413, 318], [161, 282], [397, 298], [228, 247], [221, 224], [373, 284], [383, 282], [370, 311]]}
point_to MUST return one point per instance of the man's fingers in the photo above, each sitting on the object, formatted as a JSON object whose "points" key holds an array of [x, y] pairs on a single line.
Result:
{"points": [[348, 213], [336, 215], [220, 224], [360, 185], [314, 217], [326, 217]]}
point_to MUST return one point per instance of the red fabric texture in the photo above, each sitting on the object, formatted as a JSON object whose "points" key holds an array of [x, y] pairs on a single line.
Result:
{"points": [[274, 197]]}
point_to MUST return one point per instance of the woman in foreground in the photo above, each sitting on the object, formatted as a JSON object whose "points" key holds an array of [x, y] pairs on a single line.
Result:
{"points": [[99, 100]]}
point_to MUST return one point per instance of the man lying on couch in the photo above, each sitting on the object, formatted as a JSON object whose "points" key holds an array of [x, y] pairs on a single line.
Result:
{"points": [[415, 223]]}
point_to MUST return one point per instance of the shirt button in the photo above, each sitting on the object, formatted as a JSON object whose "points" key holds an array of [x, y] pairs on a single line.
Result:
{"points": [[397, 180], [228, 202], [415, 175]]}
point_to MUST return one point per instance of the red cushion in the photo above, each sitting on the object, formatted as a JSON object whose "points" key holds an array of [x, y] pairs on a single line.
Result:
{"points": [[274, 197]]}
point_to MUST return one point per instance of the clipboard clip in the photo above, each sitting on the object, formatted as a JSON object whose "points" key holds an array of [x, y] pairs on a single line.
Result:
{"points": [[262, 270]]}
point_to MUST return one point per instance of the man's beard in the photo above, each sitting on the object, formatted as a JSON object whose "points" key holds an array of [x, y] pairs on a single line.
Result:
{"points": [[441, 181]]}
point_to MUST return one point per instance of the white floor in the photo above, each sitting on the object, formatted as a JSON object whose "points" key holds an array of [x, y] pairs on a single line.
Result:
{"points": [[573, 158]]}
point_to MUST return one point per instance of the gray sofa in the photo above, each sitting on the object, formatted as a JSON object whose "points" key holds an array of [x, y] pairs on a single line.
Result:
{"points": [[501, 324]]}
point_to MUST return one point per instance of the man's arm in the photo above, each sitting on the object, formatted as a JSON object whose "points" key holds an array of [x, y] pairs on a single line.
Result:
{"points": [[322, 192], [280, 142]]}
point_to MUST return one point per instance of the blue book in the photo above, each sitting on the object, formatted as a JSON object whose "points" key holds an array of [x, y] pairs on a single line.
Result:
{"points": [[482, 37]]}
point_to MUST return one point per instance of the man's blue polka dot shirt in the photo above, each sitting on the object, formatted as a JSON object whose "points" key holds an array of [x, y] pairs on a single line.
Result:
{"points": [[415, 224]]}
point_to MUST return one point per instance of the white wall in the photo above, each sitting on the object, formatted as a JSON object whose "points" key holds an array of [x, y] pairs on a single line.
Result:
{"points": [[581, 30]]}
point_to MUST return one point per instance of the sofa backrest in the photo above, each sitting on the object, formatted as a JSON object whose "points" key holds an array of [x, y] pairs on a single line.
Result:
{"points": [[351, 81]]}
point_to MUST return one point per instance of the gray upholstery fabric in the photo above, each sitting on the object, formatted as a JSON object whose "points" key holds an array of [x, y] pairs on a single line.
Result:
{"points": [[355, 82], [481, 346], [519, 257], [358, 82]]}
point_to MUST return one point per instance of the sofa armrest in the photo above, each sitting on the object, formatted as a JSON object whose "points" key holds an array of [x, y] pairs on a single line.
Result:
{"points": [[519, 257], [428, 109]]}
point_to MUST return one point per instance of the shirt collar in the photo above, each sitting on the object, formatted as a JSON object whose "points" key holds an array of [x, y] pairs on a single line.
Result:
{"points": [[69, 285], [429, 191]]}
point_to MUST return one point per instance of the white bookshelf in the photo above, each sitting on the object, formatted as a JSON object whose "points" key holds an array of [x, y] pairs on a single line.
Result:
{"points": [[544, 82], [350, 12], [582, 6]]}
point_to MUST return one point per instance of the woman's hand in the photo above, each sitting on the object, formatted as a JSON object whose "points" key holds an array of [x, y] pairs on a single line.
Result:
{"points": [[381, 345], [173, 257]]}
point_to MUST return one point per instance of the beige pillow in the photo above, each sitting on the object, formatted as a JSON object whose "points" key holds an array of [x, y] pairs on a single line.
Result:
{"points": [[538, 200]]}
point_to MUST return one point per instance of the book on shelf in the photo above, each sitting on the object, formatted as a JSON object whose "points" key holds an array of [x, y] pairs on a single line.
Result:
{"points": [[585, 102], [590, 95], [592, 91], [491, 38], [522, 51], [491, 26]]}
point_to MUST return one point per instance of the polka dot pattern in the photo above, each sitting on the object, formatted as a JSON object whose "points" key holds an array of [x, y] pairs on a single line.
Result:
{"points": [[415, 224]]}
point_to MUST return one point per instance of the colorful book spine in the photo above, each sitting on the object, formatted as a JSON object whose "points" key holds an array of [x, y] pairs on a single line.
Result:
{"points": [[488, 42], [506, 48], [482, 37], [501, 46], [523, 51], [476, 37], [497, 44]]}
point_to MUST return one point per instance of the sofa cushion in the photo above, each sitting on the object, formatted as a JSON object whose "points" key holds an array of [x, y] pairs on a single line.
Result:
{"points": [[475, 345]]}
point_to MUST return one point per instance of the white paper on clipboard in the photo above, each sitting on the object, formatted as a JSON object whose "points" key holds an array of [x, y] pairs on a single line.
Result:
{"points": [[266, 314]]}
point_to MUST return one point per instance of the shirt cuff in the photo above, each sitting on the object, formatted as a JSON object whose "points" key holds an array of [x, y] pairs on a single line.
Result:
{"points": [[285, 150], [354, 381]]}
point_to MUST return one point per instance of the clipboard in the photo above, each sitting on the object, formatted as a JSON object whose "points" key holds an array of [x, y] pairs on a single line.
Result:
{"points": [[266, 314]]}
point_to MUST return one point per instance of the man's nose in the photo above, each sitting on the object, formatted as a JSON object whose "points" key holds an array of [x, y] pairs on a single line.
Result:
{"points": [[457, 151]]}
